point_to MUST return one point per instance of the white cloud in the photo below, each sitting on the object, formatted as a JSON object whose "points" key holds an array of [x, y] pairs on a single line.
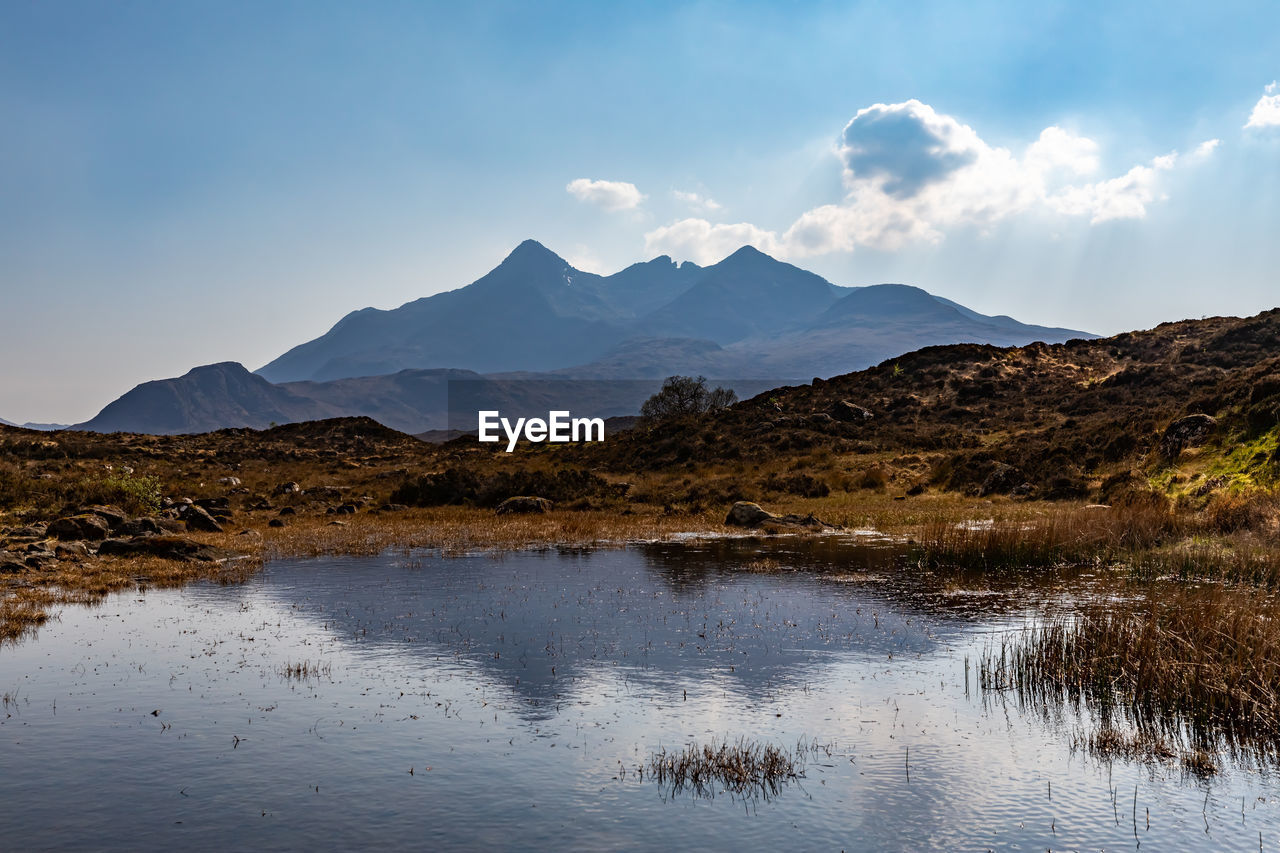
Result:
{"points": [[610, 195], [1266, 113], [1125, 197], [911, 173], [696, 201], [1204, 150], [703, 243]]}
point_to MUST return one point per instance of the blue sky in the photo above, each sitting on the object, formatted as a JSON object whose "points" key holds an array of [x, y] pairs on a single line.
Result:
{"points": [[183, 183]]}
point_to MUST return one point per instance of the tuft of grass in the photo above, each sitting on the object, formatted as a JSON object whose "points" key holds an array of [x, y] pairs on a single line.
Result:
{"points": [[303, 670], [742, 768]]}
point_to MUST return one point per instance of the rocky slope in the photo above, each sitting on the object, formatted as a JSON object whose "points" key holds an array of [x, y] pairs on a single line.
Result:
{"points": [[1057, 421]]}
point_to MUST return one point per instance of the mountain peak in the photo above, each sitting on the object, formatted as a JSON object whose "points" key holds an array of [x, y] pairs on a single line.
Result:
{"points": [[531, 251], [748, 252], [232, 368]]}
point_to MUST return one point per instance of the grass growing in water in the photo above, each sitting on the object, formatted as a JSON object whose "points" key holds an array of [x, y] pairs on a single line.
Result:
{"points": [[743, 768], [1191, 669], [305, 669]]}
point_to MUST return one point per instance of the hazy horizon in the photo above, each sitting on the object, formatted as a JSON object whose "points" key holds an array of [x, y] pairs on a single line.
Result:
{"points": [[200, 183]]}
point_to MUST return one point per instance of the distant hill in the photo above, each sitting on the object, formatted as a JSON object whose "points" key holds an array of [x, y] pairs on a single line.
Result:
{"points": [[226, 395], [512, 338], [204, 399]]}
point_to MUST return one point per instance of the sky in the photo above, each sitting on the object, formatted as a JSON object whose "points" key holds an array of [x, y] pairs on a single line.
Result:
{"points": [[186, 183]]}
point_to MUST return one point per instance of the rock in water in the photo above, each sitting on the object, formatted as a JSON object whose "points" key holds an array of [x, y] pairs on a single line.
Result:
{"points": [[747, 514]]}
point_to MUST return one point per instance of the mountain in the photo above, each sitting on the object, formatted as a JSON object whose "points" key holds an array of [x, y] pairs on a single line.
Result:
{"points": [[205, 399], [527, 314], [745, 295], [513, 340], [535, 312]]}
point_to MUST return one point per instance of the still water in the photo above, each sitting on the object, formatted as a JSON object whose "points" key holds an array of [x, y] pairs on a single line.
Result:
{"points": [[507, 701]]}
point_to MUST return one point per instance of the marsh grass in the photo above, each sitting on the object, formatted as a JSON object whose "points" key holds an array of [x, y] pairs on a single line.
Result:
{"points": [[303, 670], [28, 600], [1053, 536], [1191, 669], [742, 768]]}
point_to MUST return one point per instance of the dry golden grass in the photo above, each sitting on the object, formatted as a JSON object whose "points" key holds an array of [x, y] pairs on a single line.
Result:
{"points": [[28, 598], [1196, 667]]}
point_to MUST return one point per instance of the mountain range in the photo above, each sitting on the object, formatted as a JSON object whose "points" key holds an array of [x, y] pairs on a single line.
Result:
{"points": [[749, 321]]}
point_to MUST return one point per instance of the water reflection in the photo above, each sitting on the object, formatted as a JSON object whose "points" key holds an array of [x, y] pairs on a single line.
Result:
{"points": [[540, 623], [524, 691]]}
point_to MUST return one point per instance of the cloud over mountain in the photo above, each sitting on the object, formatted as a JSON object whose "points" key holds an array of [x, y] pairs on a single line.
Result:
{"points": [[610, 195], [910, 173]]}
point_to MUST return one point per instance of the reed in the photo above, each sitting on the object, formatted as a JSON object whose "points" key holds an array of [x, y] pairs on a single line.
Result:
{"points": [[1194, 666], [742, 768], [302, 670]]}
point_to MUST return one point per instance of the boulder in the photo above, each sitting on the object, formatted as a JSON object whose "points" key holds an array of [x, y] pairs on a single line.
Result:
{"points": [[87, 526], [140, 527], [228, 481], [198, 518], [287, 511], [113, 516], [71, 550], [747, 514], [284, 489], [165, 547], [523, 504], [11, 563], [1191, 431], [848, 412], [276, 522], [219, 508], [1002, 480], [325, 493]]}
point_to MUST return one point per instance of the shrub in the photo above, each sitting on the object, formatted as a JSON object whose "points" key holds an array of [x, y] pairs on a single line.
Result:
{"points": [[135, 494], [681, 396], [451, 486]]}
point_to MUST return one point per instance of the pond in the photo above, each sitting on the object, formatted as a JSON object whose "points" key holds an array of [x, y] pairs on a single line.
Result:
{"points": [[514, 701]]}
